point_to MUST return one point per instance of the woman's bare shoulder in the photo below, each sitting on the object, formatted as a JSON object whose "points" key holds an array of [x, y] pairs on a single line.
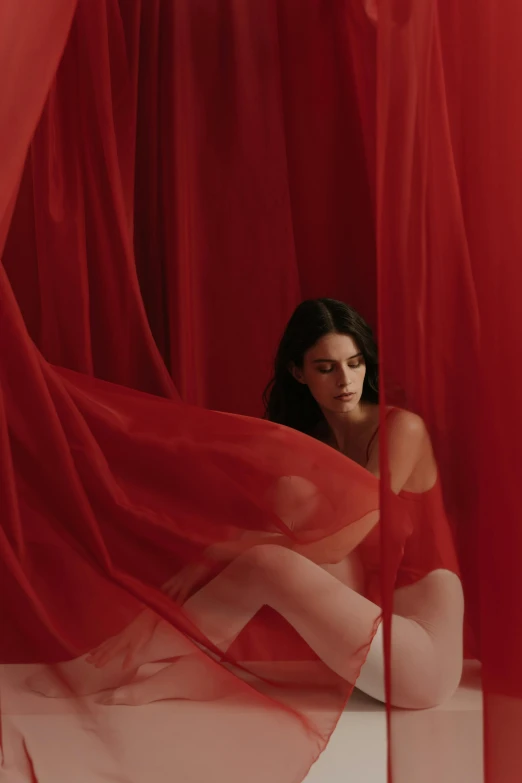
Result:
{"points": [[407, 424], [410, 442]]}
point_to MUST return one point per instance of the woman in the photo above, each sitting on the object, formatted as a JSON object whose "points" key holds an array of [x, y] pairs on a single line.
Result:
{"points": [[332, 393], [325, 385]]}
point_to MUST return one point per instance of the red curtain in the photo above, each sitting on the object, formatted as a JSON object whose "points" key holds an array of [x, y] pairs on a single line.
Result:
{"points": [[76, 209], [448, 171], [196, 169], [106, 491], [223, 140]]}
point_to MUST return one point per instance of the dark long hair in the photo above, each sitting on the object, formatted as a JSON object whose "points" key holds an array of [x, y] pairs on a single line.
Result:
{"points": [[289, 402]]}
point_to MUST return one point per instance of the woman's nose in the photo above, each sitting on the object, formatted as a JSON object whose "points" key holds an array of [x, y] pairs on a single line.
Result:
{"points": [[344, 378]]}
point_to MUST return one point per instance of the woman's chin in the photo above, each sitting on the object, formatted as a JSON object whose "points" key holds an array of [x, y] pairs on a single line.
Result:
{"points": [[345, 405]]}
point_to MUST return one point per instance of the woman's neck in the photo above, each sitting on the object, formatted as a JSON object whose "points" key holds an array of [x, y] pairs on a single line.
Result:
{"points": [[354, 428]]}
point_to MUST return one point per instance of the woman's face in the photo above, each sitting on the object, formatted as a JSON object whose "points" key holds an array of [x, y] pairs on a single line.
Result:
{"points": [[334, 371]]}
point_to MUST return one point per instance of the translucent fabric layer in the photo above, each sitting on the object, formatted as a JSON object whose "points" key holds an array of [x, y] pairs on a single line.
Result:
{"points": [[173, 178]]}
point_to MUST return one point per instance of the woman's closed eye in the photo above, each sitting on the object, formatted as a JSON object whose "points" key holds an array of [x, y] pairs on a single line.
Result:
{"points": [[331, 368]]}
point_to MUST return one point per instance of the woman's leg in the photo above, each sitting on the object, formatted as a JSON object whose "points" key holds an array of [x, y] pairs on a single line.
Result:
{"points": [[426, 644], [336, 621], [308, 596], [220, 610]]}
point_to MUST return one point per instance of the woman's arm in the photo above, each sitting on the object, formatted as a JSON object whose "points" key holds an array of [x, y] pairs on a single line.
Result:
{"points": [[407, 443]]}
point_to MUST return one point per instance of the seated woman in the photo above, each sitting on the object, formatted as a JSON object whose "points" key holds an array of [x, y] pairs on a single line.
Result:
{"points": [[325, 385], [332, 393]]}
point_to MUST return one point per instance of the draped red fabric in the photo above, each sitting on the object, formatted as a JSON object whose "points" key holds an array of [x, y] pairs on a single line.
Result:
{"points": [[448, 173], [188, 141], [107, 492], [174, 177], [241, 198], [76, 210]]}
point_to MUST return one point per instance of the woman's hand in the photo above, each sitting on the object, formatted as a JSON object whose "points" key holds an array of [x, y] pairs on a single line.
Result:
{"points": [[133, 638], [127, 643], [182, 585]]}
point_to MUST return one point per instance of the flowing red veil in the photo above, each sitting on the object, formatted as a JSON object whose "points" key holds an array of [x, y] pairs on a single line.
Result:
{"points": [[108, 492], [170, 173], [448, 163]]}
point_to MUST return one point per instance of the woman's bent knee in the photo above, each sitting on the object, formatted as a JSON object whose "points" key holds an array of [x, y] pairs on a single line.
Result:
{"points": [[424, 671], [268, 565], [268, 557]]}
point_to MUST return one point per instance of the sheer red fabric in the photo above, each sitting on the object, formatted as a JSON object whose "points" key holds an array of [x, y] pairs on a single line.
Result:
{"points": [[169, 174], [448, 166], [188, 144], [107, 492]]}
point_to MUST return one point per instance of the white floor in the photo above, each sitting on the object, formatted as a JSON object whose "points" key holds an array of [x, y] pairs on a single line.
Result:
{"points": [[162, 743], [443, 745]]}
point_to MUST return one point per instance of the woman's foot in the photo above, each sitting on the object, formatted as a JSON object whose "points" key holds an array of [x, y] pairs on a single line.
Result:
{"points": [[192, 677], [79, 678], [115, 662]]}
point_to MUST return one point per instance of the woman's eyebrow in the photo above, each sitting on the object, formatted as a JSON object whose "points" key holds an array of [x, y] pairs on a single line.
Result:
{"points": [[318, 361]]}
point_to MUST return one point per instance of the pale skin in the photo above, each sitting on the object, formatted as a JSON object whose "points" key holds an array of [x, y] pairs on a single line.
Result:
{"points": [[301, 583]]}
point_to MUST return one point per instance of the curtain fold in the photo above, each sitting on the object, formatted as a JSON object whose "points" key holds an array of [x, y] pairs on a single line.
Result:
{"points": [[174, 177], [448, 173], [187, 165], [110, 493]]}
